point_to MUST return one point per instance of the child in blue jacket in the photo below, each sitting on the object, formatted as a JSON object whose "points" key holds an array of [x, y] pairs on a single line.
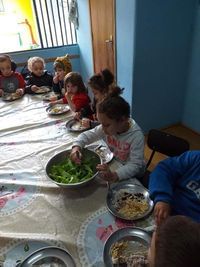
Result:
{"points": [[175, 187]]}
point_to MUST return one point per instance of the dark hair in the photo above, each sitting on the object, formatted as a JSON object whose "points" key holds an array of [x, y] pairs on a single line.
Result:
{"points": [[75, 79], [115, 107], [5, 58], [177, 243], [102, 81]]}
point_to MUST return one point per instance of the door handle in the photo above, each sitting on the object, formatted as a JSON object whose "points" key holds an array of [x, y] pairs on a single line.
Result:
{"points": [[108, 41]]}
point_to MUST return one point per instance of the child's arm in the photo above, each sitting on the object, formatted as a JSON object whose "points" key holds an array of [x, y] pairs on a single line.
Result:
{"points": [[68, 97], [163, 181], [21, 88], [30, 88], [164, 177], [89, 137]]}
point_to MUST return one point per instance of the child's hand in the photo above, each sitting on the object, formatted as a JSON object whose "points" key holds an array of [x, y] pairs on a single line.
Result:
{"points": [[68, 95], [106, 173], [76, 155], [161, 212], [77, 116], [1, 92], [34, 88], [20, 91], [85, 122], [56, 78]]}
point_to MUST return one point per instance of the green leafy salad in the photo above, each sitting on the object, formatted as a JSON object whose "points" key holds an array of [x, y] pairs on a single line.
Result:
{"points": [[68, 172]]}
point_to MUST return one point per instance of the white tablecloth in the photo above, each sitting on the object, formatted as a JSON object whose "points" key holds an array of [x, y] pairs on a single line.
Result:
{"points": [[34, 212]]}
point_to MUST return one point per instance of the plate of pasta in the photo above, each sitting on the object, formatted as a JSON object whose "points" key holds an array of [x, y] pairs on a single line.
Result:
{"points": [[129, 201], [127, 247]]}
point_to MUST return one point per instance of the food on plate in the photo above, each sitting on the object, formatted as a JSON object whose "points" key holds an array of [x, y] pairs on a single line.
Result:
{"points": [[129, 253], [43, 89], [77, 126], [69, 172], [57, 109], [130, 205], [11, 96]]}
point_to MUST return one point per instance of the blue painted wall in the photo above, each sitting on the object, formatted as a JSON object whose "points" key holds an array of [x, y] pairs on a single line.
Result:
{"points": [[191, 115], [125, 31], [47, 53], [84, 40], [162, 50]]}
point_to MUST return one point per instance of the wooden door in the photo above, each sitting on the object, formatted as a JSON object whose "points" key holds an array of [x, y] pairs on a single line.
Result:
{"points": [[103, 34]]}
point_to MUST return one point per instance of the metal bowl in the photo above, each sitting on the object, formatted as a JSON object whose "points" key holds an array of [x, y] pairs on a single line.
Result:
{"points": [[130, 234], [58, 158]]}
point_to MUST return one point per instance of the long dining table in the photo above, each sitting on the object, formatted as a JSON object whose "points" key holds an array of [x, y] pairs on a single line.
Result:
{"points": [[34, 211]]}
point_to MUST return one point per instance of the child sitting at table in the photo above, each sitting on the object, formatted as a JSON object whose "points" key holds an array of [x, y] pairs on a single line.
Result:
{"points": [[174, 186], [62, 67], [38, 75], [10, 81], [122, 135], [101, 84], [175, 243], [76, 93]]}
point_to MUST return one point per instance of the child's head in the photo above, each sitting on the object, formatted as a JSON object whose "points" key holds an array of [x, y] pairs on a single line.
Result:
{"points": [[176, 243], [5, 65], [73, 82], [62, 66], [113, 113], [100, 84], [36, 65]]}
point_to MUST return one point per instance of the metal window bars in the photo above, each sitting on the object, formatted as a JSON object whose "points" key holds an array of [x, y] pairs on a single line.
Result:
{"points": [[54, 28]]}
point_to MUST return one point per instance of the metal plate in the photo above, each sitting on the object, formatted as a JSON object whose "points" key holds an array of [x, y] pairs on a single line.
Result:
{"points": [[43, 90], [130, 188], [57, 109], [10, 97], [49, 96], [75, 126], [129, 234], [48, 254], [104, 152]]}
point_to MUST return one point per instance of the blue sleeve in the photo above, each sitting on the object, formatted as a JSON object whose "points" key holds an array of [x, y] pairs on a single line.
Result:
{"points": [[166, 175]]}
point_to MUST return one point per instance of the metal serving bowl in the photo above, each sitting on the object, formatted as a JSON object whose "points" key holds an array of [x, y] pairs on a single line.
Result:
{"points": [[58, 158]]}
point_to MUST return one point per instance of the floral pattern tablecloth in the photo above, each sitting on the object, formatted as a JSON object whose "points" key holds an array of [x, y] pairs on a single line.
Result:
{"points": [[34, 212]]}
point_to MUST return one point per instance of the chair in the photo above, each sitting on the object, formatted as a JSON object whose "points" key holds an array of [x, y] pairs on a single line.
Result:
{"points": [[167, 144]]}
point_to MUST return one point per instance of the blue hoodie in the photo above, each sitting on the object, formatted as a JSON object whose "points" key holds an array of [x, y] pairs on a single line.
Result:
{"points": [[176, 181]]}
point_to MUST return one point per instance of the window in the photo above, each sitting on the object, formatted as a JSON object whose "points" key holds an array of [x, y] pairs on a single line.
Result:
{"points": [[33, 24]]}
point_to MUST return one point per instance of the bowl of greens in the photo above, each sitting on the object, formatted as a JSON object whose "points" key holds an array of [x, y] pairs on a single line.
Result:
{"points": [[62, 171]]}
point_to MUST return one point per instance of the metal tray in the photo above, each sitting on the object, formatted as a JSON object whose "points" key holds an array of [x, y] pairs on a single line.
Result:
{"points": [[75, 126], [43, 90], [128, 233], [57, 109], [104, 153], [131, 188], [10, 97], [48, 253]]}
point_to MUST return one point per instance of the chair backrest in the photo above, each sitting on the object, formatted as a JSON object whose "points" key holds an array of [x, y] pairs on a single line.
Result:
{"points": [[167, 144]]}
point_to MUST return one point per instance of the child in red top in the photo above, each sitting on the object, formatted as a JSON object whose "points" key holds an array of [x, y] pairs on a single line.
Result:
{"points": [[76, 93], [10, 81]]}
